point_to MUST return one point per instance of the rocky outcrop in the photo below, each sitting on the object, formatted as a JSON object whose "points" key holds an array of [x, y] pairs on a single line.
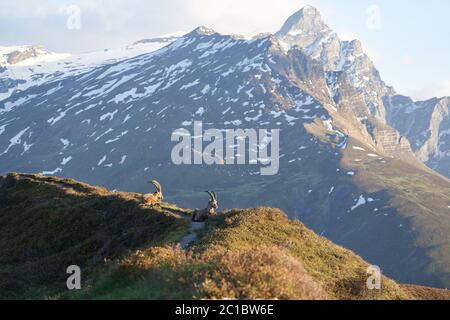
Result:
{"points": [[427, 125], [22, 55]]}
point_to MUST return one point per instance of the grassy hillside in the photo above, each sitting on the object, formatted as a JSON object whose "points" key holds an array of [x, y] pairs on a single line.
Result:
{"points": [[129, 251], [47, 224]]}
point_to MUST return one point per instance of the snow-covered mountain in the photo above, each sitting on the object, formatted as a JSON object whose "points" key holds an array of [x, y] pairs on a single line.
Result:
{"points": [[340, 59], [24, 66], [344, 170], [427, 125]]}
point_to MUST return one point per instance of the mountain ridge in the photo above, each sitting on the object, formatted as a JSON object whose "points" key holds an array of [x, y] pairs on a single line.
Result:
{"points": [[343, 171], [32, 65]]}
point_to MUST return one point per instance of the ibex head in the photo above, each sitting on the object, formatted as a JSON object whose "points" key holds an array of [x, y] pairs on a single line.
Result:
{"points": [[158, 189], [212, 204]]}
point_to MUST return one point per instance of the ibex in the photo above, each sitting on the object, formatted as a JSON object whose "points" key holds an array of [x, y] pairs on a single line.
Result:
{"points": [[200, 215], [154, 198]]}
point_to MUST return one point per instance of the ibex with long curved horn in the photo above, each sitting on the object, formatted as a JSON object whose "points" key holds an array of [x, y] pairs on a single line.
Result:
{"points": [[154, 198], [200, 215]]}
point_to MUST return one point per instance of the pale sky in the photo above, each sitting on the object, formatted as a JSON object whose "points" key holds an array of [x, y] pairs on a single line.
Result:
{"points": [[407, 39]]}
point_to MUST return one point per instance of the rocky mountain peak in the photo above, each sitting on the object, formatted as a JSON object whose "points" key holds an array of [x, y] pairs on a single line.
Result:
{"points": [[202, 30], [305, 22], [356, 47], [306, 30]]}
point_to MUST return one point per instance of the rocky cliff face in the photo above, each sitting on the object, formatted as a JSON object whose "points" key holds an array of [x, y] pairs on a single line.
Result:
{"points": [[354, 84], [427, 126], [345, 62]]}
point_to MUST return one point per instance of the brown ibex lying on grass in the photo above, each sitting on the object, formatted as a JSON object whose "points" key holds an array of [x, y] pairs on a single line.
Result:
{"points": [[154, 198], [200, 215]]}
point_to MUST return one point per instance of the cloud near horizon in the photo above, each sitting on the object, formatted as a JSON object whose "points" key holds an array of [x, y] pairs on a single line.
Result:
{"points": [[114, 23], [433, 89]]}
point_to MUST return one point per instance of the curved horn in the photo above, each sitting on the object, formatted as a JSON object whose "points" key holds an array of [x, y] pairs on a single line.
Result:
{"points": [[157, 185], [210, 195]]}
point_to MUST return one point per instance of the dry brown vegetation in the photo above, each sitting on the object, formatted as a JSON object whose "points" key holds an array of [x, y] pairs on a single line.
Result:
{"points": [[264, 273], [340, 272]]}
